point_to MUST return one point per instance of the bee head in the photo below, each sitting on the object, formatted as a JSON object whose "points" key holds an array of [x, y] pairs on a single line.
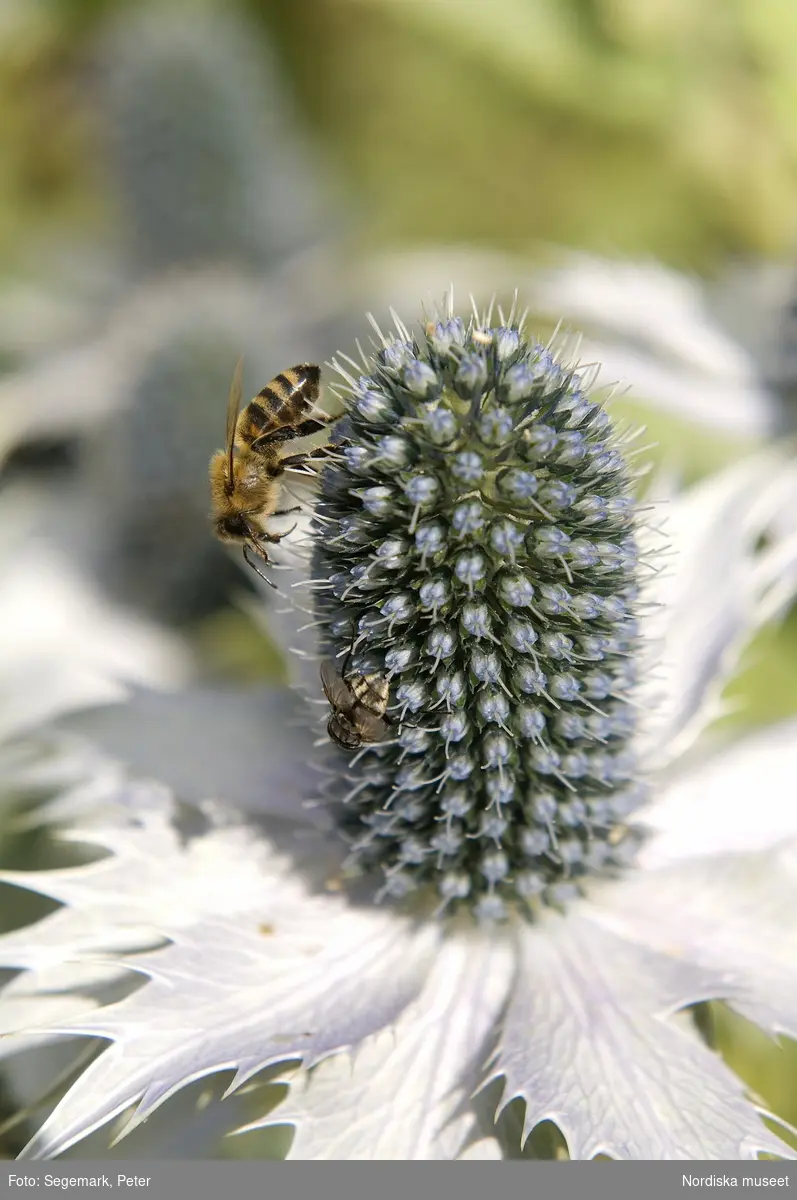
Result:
{"points": [[234, 529], [341, 731]]}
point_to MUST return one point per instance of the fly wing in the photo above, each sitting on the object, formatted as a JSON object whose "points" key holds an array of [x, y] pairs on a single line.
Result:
{"points": [[336, 690], [370, 726], [233, 408]]}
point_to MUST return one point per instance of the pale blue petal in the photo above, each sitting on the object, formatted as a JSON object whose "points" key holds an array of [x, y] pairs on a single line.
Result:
{"points": [[53, 617], [731, 914], [741, 798], [262, 964], [251, 747], [405, 1093], [713, 589], [587, 1043], [651, 328]]}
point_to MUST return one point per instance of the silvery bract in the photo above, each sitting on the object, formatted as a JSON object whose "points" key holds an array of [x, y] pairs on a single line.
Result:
{"points": [[714, 355], [513, 895]]}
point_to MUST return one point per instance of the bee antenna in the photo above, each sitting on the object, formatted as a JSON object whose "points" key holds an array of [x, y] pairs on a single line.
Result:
{"points": [[257, 570]]}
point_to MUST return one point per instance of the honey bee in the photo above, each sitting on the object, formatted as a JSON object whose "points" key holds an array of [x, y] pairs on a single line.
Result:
{"points": [[245, 477], [358, 705]]}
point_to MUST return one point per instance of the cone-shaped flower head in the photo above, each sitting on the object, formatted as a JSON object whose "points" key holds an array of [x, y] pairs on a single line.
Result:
{"points": [[475, 548]]}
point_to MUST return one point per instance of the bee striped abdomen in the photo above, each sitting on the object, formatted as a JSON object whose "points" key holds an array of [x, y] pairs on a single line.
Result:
{"points": [[283, 401]]}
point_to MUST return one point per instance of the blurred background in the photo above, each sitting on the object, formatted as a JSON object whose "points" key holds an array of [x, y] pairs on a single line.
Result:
{"points": [[183, 182]]}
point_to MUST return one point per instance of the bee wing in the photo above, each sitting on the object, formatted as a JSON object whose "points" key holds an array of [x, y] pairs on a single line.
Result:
{"points": [[336, 690], [233, 408]]}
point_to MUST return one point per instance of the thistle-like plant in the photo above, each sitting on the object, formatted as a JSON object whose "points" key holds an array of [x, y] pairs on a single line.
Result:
{"points": [[477, 548], [513, 895]]}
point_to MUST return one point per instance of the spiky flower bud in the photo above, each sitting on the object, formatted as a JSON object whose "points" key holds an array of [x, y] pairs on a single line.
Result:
{"points": [[477, 538]]}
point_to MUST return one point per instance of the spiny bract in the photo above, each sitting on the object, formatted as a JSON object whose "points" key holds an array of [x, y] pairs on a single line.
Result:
{"points": [[475, 541]]}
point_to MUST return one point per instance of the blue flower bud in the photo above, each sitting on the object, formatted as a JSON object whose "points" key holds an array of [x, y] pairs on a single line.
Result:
{"points": [[422, 489], [454, 886], [489, 908], [539, 443], [457, 803], [420, 379], [470, 568], [520, 635], [506, 538], [492, 705], [396, 354], [476, 620], [454, 726], [374, 407], [394, 451], [506, 342], [430, 537], [518, 484], [448, 842], [469, 517], [535, 842], [485, 665], [467, 467], [548, 541], [495, 426], [519, 382], [495, 866], [516, 589], [399, 658], [530, 720], [440, 426], [377, 500], [470, 376], [557, 495], [529, 680], [441, 642], [443, 335]]}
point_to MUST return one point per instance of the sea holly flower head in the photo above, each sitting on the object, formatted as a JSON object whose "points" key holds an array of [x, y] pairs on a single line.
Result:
{"points": [[487, 566], [511, 896]]}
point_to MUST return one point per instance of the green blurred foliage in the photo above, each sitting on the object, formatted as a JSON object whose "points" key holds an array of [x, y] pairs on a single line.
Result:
{"points": [[765, 690], [662, 128], [768, 1067], [46, 180]]}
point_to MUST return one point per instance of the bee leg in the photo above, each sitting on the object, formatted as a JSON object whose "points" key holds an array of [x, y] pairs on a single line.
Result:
{"points": [[284, 434], [286, 512], [298, 460], [311, 425], [277, 537], [250, 562]]}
